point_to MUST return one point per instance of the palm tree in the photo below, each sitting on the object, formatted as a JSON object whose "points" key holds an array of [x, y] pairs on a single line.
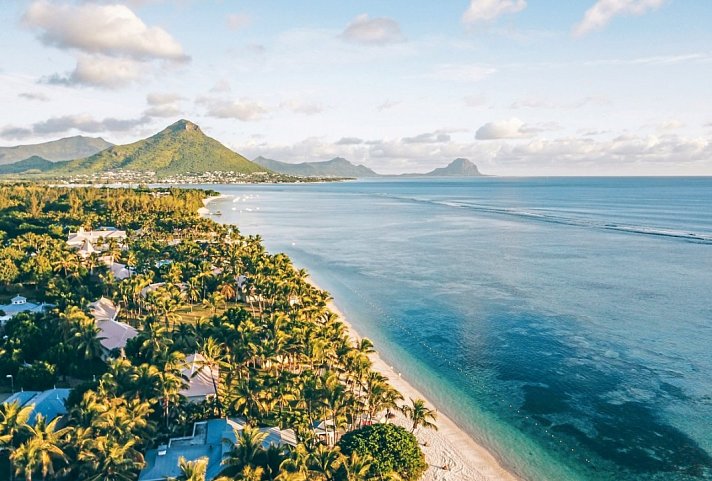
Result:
{"points": [[212, 359], [192, 470], [105, 458], [13, 420], [41, 450], [246, 451], [357, 467], [420, 415], [325, 462]]}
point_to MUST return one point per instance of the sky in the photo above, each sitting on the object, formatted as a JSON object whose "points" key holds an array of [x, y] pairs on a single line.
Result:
{"points": [[520, 87]]}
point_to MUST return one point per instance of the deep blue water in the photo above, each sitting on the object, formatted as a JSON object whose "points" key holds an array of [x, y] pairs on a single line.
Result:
{"points": [[564, 322]]}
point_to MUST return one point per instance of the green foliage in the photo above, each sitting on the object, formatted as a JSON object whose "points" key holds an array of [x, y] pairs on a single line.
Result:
{"points": [[179, 148], [392, 448], [38, 376]]}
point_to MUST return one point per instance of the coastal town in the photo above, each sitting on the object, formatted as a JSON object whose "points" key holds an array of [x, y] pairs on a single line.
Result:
{"points": [[144, 341]]}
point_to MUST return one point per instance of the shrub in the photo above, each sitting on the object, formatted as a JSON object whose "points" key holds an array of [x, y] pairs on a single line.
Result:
{"points": [[38, 376], [392, 448]]}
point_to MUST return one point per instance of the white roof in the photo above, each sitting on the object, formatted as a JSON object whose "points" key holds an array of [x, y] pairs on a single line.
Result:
{"points": [[76, 239], [103, 310], [200, 383], [115, 334]]}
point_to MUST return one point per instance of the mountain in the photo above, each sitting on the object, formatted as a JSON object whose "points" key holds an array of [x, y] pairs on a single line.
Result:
{"points": [[457, 168], [56, 150], [178, 149], [34, 164], [336, 167]]}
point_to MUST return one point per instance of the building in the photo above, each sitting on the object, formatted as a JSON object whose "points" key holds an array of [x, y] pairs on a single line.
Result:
{"points": [[209, 440], [199, 379], [77, 239], [120, 271], [50, 403], [17, 305], [113, 334]]}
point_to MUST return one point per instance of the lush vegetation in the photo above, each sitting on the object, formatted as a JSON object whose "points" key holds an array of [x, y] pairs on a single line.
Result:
{"points": [[283, 357]]}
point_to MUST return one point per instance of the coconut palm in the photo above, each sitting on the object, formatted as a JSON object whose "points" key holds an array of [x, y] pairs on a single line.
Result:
{"points": [[192, 470], [420, 415], [41, 451], [325, 462], [247, 450]]}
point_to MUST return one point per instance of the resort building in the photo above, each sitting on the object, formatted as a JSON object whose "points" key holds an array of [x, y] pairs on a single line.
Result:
{"points": [[199, 379], [113, 334], [17, 305], [120, 271], [210, 440], [77, 239], [50, 403]]}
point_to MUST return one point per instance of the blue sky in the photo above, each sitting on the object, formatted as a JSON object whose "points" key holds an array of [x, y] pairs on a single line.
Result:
{"points": [[594, 87]]}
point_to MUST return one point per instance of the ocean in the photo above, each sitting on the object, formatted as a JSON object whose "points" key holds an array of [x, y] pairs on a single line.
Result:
{"points": [[565, 323]]}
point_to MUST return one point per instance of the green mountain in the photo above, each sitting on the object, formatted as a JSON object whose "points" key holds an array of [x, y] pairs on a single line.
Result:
{"points": [[336, 167], [178, 149], [56, 150], [31, 165], [457, 168]]}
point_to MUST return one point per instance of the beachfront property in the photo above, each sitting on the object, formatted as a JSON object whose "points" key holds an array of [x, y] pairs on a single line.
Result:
{"points": [[113, 334], [17, 305], [210, 440], [199, 379], [78, 239], [50, 403], [120, 271]]}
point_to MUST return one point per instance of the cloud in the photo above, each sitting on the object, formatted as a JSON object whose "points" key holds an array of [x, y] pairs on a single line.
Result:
{"points": [[236, 21], [66, 123], [164, 105], [475, 101], [388, 104], [372, 31], [100, 71], [34, 96], [241, 109], [112, 30], [502, 129], [601, 13], [302, 107], [428, 138], [463, 72], [349, 141], [487, 10]]}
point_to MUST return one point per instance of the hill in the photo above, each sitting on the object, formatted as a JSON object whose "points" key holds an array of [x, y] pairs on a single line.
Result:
{"points": [[457, 168], [34, 164], [336, 167], [178, 149], [63, 149]]}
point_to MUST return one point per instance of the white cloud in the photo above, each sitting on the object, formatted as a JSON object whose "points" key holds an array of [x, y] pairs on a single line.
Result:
{"points": [[83, 123], [236, 21], [372, 31], [436, 137], [475, 101], [112, 30], [502, 129], [39, 96], [349, 141], [601, 13], [241, 109], [302, 107], [164, 105], [100, 71], [488, 10]]}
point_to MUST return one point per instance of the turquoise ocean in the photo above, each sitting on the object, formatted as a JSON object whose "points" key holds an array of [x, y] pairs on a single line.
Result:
{"points": [[565, 323]]}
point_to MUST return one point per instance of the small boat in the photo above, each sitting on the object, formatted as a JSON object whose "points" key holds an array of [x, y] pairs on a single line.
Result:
{"points": [[217, 212]]}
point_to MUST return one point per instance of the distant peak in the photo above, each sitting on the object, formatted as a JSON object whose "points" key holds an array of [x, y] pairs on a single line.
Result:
{"points": [[461, 161], [182, 125]]}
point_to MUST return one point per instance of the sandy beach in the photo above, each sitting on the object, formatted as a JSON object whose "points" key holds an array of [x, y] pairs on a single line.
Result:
{"points": [[448, 446], [452, 455]]}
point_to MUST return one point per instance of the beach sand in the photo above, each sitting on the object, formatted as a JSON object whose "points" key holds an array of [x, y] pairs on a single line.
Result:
{"points": [[448, 446]]}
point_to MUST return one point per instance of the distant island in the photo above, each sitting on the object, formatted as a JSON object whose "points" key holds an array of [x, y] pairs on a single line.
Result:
{"points": [[179, 154]]}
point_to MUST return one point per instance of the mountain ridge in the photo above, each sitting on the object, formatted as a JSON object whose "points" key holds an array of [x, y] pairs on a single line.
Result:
{"points": [[66, 148], [336, 167]]}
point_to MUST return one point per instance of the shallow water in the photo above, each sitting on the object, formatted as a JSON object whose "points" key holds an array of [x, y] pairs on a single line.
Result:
{"points": [[566, 323]]}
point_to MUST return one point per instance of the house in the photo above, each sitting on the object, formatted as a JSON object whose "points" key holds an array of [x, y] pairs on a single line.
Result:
{"points": [[17, 305], [50, 403], [199, 379], [120, 271], [113, 334], [209, 440], [77, 239], [87, 249]]}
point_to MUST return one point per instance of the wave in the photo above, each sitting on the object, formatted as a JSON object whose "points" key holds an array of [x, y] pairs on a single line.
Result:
{"points": [[701, 238]]}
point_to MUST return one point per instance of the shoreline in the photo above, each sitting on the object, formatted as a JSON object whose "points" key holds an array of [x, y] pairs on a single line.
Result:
{"points": [[450, 445]]}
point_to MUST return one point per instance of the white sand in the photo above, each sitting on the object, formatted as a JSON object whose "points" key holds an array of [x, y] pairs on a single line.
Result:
{"points": [[448, 446]]}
